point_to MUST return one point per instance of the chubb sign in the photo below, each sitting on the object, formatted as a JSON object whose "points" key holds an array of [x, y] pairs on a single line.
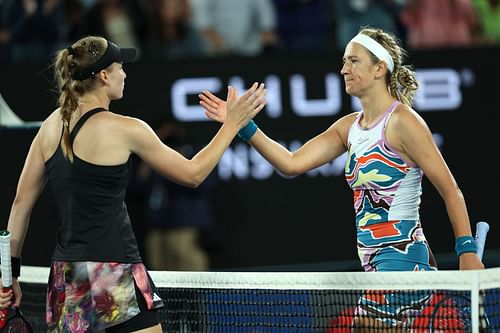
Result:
{"points": [[440, 89]]}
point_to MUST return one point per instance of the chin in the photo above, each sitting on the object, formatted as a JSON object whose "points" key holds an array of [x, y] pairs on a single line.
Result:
{"points": [[116, 97]]}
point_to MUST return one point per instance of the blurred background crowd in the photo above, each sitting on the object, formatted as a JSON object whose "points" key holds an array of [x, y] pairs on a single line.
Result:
{"points": [[31, 30]]}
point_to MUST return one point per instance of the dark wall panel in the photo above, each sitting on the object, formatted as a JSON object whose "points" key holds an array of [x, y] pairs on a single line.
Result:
{"points": [[261, 217]]}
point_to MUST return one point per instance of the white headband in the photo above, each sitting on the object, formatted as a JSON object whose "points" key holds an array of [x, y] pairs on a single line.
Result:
{"points": [[374, 47]]}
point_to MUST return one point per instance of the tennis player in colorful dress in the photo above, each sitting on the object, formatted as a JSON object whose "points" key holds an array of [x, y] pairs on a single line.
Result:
{"points": [[389, 148]]}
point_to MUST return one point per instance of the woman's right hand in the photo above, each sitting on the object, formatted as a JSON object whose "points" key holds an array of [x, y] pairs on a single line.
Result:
{"points": [[242, 108], [11, 297], [5, 298], [18, 295]]}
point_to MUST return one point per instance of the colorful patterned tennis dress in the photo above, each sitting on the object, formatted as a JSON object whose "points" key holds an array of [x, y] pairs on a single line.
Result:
{"points": [[387, 191]]}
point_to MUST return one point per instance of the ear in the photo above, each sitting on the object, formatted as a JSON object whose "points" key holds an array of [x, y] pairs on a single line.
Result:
{"points": [[381, 69], [103, 76]]}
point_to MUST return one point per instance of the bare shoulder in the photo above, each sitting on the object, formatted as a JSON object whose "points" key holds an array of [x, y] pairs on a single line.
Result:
{"points": [[49, 134], [346, 121], [53, 120], [51, 127], [127, 132], [406, 117], [123, 124], [343, 124], [403, 113], [340, 128], [349, 118], [406, 127]]}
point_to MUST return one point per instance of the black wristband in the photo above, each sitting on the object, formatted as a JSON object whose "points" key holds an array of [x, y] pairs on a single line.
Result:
{"points": [[16, 266]]}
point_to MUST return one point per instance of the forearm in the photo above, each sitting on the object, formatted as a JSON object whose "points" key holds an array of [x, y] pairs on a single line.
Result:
{"points": [[458, 215], [21, 209], [18, 226], [279, 157], [207, 158]]}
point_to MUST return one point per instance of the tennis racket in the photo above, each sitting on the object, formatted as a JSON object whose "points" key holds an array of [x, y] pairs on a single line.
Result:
{"points": [[453, 310], [482, 229], [11, 318]]}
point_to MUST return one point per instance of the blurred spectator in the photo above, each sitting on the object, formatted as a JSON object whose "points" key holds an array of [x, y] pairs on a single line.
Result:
{"points": [[88, 3], [30, 30], [238, 27], [354, 14], [304, 25], [124, 22], [74, 12], [439, 23], [174, 35], [175, 215], [488, 12]]}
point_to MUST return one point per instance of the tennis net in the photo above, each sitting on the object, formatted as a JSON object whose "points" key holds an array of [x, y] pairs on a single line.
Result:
{"points": [[443, 301]]}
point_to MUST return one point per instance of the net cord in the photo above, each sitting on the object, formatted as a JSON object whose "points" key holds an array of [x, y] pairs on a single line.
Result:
{"points": [[448, 280]]}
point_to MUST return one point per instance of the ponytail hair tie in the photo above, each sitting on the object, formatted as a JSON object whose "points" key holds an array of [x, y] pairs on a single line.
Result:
{"points": [[70, 50]]}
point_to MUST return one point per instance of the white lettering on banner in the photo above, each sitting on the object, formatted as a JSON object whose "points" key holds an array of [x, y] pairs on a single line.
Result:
{"points": [[274, 106], [243, 162], [235, 163], [182, 88], [316, 107], [439, 90]]}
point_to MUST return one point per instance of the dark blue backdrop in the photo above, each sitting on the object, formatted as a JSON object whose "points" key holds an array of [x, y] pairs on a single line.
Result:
{"points": [[262, 218]]}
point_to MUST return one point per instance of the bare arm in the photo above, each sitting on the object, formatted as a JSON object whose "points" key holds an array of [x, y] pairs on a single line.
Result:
{"points": [[321, 149], [413, 138], [191, 172], [30, 185]]}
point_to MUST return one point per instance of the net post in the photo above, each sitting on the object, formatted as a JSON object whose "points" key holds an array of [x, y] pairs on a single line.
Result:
{"points": [[474, 300]]}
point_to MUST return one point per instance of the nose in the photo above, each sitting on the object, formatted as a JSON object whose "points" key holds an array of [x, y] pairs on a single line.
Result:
{"points": [[344, 69]]}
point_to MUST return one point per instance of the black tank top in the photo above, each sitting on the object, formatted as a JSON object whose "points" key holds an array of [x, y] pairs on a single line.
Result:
{"points": [[95, 225]]}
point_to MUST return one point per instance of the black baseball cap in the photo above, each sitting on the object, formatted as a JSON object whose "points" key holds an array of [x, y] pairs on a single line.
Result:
{"points": [[112, 54]]}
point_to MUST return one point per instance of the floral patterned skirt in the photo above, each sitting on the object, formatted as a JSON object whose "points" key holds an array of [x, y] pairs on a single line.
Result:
{"points": [[88, 296]]}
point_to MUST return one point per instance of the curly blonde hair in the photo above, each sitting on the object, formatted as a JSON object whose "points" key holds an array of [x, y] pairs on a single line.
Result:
{"points": [[401, 81]]}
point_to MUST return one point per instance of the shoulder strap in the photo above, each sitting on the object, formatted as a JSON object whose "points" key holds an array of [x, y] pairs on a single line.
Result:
{"points": [[81, 121], [389, 111]]}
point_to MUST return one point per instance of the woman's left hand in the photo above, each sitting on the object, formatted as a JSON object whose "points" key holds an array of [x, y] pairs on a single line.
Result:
{"points": [[215, 108]]}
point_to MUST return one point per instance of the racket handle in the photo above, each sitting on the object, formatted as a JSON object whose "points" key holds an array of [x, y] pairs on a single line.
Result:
{"points": [[3, 312], [482, 229]]}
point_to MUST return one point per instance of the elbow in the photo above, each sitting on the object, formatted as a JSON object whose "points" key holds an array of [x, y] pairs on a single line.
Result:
{"points": [[289, 172], [195, 181], [193, 184]]}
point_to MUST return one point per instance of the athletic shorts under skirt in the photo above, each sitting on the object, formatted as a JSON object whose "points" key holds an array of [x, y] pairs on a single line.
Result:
{"points": [[394, 308], [91, 296]]}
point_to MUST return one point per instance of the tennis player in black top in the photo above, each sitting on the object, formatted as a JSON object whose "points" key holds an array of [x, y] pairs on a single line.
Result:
{"points": [[97, 279]]}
